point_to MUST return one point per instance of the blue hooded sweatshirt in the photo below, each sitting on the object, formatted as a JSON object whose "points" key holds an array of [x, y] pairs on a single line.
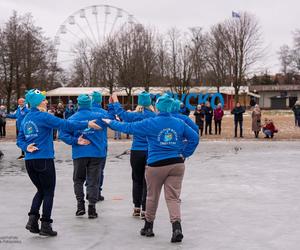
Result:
{"points": [[164, 134], [187, 120], [19, 115], [37, 127], [98, 138], [139, 141]]}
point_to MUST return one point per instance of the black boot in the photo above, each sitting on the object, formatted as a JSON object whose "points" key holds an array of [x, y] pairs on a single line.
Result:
{"points": [[80, 209], [46, 229], [147, 230], [177, 235], [100, 197], [33, 224], [92, 212]]}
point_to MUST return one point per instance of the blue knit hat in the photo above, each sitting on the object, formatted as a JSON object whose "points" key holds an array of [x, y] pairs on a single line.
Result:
{"points": [[96, 97], [176, 106], [164, 103], [34, 97], [84, 101], [144, 99]]}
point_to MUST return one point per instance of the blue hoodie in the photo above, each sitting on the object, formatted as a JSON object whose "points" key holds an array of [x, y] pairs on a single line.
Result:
{"points": [[164, 134], [139, 141], [37, 127], [98, 138], [19, 115], [187, 120]]}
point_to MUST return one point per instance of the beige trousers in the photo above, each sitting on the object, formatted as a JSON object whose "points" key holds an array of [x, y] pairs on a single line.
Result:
{"points": [[170, 177]]}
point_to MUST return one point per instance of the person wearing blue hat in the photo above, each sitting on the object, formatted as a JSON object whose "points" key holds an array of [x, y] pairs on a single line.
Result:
{"points": [[35, 139], [96, 107], [139, 149], [165, 161], [19, 115], [175, 112], [87, 160]]}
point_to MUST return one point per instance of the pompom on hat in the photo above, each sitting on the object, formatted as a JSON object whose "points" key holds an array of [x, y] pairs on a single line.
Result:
{"points": [[34, 97], [164, 103], [84, 101], [144, 99], [97, 97]]}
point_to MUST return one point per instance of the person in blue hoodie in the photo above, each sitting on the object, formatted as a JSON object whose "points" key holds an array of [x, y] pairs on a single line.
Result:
{"points": [[96, 107], [19, 115], [35, 139], [175, 112], [166, 156], [139, 149], [87, 160]]}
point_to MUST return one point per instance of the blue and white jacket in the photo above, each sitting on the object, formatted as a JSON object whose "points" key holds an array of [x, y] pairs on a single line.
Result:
{"points": [[139, 141], [19, 115], [37, 127], [164, 134], [98, 138]]}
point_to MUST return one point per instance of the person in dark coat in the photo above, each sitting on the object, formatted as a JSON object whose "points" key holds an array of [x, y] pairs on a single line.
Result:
{"points": [[184, 110], [238, 112], [209, 112], [296, 110], [199, 118], [218, 116]]}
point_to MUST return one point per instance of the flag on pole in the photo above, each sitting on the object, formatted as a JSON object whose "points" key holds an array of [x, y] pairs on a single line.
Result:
{"points": [[235, 15]]}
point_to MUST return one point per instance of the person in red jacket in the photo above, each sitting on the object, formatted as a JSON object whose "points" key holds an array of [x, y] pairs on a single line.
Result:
{"points": [[218, 115], [269, 129]]}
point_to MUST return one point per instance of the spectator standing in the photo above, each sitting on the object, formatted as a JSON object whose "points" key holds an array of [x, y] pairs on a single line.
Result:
{"points": [[296, 110], [218, 116], [58, 112], [184, 110], [2, 121], [256, 120], [238, 112], [208, 117], [199, 118]]}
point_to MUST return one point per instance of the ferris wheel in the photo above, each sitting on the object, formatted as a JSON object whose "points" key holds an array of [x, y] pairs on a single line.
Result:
{"points": [[91, 25]]}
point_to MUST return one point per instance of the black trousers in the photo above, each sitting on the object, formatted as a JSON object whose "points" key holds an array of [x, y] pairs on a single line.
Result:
{"points": [[2, 129], [86, 168], [236, 123], [218, 127], [138, 161], [42, 175], [208, 125]]}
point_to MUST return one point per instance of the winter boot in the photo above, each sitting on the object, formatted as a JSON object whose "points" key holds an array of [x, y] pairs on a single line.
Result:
{"points": [[92, 212], [80, 209], [147, 230], [177, 235], [143, 214], [33, 224], [46, 229]]}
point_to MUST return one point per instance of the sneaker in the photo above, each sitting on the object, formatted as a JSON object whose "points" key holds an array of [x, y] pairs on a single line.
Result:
{"points": [[136, 212], [21, 157]]}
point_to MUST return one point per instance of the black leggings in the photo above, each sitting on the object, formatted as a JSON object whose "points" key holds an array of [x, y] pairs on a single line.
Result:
{"points": [[138, 161], [218, 126], [42, 175]]}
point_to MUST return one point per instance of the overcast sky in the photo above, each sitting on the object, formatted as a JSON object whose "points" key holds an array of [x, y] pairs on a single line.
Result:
{"points": [[278, 18]]}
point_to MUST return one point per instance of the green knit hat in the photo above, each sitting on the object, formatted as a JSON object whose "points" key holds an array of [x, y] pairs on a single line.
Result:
{"points": [[164, 103], [144, 99], [84, 101], [97, 97], [34, 97]]}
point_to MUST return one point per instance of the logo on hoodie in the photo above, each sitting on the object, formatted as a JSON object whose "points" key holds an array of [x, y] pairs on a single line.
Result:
{"points": [[30, 129], [167, 136]]}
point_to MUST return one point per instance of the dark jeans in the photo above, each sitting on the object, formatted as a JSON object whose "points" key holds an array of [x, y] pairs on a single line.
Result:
{"points": [[101, 173], [218, 127], [208, 125], [138, 161], [86, 168], [2, 129], [42, 175], [236, 123]]}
